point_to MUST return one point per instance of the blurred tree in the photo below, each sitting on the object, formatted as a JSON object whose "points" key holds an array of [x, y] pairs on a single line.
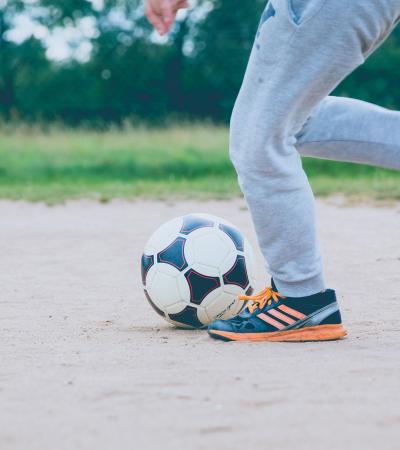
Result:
{"points": [[131, 73], [21, 63], [8, 58], [378, 79], [221, 46]]}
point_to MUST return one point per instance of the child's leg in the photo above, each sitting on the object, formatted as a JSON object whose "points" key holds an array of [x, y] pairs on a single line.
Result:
{"points": [[344, 129], [302, 51]]}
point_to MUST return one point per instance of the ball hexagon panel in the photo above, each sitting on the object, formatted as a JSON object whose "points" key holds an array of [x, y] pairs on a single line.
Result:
{"points": [[224, 306], [234, 234], [202, 314], [233, 289], [147, 262], [200, 285], [192, 222], [175, 308], [163, 236], [237, 274], [210, 298], [188, 316], [206, 312], [174, 254], [184, 289], [210, 251], [190, 239], [162, 285]]}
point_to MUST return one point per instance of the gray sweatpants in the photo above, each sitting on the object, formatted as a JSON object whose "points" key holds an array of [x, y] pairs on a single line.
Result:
{"points": [[303, 49]]}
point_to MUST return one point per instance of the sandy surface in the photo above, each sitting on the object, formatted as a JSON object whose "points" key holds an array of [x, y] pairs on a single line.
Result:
{"points": [[86, 364]]}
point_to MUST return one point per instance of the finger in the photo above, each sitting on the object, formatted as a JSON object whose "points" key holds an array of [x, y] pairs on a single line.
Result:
{"points": [[175, 8], [179, 6], [167, 13], [155, 20]]}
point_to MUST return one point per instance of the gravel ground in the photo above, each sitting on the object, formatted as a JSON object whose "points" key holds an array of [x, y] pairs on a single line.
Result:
{"points": [[86, 364]]}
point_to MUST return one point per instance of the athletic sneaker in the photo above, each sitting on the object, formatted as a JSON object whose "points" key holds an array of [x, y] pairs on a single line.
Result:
{"points": [[274, 317]]}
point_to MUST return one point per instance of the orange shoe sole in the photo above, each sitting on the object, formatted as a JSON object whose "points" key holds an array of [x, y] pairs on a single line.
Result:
{"points": [[317, 333]]}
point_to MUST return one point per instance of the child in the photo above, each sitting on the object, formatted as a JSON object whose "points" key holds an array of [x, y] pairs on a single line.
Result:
{"points": [[302, 51]]}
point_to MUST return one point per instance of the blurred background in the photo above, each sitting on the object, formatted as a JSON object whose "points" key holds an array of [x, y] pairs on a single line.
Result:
{"points": [[93, 102]]}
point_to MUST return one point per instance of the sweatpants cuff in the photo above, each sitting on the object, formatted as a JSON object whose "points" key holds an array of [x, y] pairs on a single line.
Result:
{"points": [[301, 288]]}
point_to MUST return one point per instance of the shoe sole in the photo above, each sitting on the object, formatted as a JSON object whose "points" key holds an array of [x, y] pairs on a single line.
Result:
{"points": [[317, 333]]}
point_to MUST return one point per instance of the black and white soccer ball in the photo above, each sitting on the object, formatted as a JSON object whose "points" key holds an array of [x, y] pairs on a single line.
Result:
{"points": [[193, 269]]}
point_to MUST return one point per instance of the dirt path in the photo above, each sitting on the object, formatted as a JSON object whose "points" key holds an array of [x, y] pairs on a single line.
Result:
{"points": [[86, 364]]}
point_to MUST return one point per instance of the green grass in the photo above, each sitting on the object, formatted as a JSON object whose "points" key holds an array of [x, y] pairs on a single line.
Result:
{"points": [[187, 161]]}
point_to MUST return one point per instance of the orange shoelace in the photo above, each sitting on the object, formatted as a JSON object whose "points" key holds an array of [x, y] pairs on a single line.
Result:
{"points": [[265, 297]]}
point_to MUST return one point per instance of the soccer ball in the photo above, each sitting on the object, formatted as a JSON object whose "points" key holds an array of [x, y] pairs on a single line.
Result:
{"points": [[193, 269]]}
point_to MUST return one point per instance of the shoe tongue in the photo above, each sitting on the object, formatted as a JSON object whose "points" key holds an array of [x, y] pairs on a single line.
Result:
{"points": [[273, 285]]}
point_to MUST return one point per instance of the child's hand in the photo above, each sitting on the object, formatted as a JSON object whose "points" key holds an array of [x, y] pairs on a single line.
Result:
{"points": [[161, 13]]}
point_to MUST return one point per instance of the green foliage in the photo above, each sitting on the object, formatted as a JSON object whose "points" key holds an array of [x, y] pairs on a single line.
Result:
{"points": [[195, 74], [177, 161], [377, 80], [222, 44]]}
